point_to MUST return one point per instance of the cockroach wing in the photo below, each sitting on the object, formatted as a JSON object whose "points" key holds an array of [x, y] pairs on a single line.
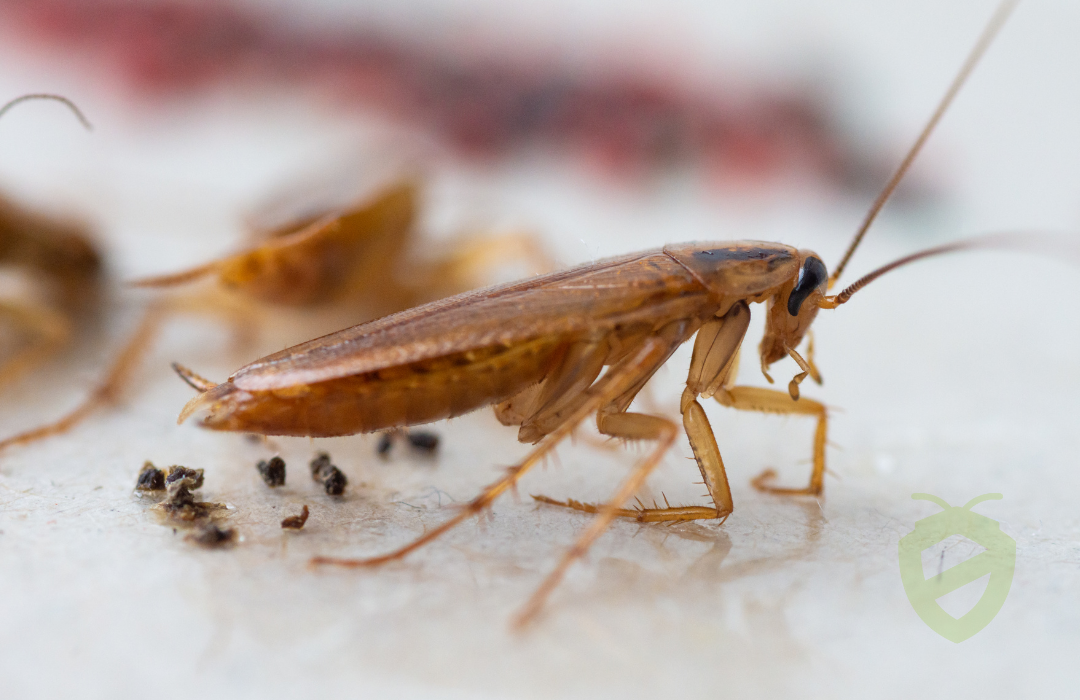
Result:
{"points": [[648, 289]]}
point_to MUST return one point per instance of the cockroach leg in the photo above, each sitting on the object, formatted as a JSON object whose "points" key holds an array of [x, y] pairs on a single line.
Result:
{"points": [[633, 426], [131, 355], [642, 515], [106, 392], [814, 373], [807, 370], [49, 328], [472, 259], [240, 314], [749, 398], [617, 382], [714, 359]]}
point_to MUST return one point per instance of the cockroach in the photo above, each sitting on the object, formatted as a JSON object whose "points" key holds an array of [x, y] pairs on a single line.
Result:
{"points": [[358, 257], [56, 277], [537, 350], [55, 270]]}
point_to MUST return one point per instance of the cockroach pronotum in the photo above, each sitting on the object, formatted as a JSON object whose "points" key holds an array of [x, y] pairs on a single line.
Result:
{"points": [[537, 350]]}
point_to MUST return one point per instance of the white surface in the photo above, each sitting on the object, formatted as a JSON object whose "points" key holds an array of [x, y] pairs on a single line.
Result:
{"points": [[956, 377]]}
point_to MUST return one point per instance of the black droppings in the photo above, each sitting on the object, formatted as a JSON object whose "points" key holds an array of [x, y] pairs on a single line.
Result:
{"points": [[177, 472], [419, 440], [272, 472], [332, 478], [386, 441], [211, 536], [423, 441], [150, 478]]}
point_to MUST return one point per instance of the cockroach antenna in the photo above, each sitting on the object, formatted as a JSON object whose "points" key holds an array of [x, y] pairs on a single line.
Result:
{"points": [[985, 39], [1028, 241], [48, 96]]}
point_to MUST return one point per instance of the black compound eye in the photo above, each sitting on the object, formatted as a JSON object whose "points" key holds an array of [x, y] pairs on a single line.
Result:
{"points": [[812, 275]]}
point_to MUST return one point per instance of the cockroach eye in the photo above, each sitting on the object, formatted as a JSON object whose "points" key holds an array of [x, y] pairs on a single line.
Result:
{"points": [[812, 275]]}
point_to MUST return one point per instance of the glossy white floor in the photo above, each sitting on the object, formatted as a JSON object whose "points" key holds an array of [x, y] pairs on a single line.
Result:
{"points": [[956, 377]]}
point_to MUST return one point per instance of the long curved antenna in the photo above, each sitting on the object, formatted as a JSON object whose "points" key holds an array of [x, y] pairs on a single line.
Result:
{"points": [[987, 37], [1026, 241], [48, 96]]}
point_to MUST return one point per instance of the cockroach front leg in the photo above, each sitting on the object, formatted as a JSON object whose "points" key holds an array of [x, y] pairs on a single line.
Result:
{"points": [[747, 398]]}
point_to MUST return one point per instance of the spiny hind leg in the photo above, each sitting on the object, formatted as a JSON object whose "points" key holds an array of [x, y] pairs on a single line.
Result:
{"points": [[635, 426], [642, 514], [745, 398], [714, 360]]}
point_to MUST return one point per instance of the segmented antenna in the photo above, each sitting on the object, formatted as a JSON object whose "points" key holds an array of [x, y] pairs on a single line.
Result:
{"points": [[48, 96], [1019, 240], [996, 22]]}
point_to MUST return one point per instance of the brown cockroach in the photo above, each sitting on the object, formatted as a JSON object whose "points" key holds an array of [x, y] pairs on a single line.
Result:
{"points": [[53, 272], [537, 350], [357, 257]]}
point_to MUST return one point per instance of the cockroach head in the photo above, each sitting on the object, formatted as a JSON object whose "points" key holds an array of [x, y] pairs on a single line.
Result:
{"points": [[793, 308]]}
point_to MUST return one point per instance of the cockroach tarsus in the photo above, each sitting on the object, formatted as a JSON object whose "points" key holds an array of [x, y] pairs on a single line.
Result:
{"points": [[537, 350]]}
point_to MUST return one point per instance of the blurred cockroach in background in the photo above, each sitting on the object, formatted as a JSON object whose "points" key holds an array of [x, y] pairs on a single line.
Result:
{"points": [[362, 258], [51, 276]]}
